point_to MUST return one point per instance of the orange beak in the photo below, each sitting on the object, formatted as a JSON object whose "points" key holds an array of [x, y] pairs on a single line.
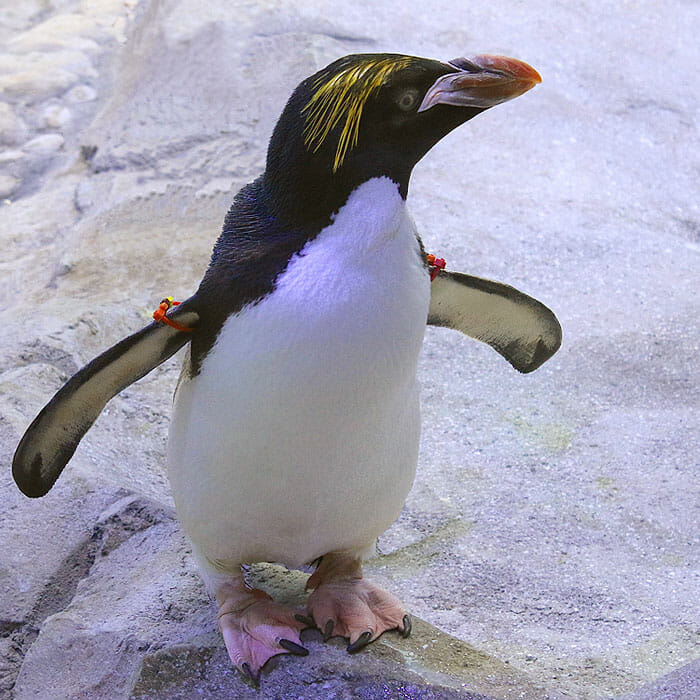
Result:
{"points": [[481, 81]]}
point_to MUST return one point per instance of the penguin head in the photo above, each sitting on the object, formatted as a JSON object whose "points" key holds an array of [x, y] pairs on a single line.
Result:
{"points": [[372, 115]]}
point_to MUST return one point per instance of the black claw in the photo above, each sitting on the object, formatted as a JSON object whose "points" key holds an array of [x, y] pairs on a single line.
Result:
{"points": [[305, 620], [360, 643], [328, 631], [407, 625], [293, 647], [254, 679]]}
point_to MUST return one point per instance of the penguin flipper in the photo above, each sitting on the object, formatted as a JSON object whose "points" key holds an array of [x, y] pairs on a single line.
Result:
{"points": [[54, 434], [517, 326]]}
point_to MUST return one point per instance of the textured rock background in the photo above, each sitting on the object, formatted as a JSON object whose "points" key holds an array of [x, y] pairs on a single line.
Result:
{"points": [[553, 526]]}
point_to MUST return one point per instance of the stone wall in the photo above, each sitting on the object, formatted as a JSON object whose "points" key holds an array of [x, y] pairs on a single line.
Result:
{"points": [[550, 543]]}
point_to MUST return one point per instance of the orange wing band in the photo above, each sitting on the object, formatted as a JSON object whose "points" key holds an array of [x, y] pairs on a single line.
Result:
{"points": [[161, 315]]}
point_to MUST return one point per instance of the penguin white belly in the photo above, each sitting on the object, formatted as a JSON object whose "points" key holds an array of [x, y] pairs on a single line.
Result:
{"points": [[300, 434]]}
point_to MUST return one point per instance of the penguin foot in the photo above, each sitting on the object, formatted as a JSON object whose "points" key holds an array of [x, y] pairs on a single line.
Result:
{"points": [[344, 604], [255, 628]]}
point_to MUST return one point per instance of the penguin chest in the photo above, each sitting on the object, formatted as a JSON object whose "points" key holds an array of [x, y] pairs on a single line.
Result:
{"points": [[300, 433]]}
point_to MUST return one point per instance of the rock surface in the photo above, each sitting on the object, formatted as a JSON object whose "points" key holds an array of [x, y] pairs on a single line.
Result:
{"points": [[550, 542]]}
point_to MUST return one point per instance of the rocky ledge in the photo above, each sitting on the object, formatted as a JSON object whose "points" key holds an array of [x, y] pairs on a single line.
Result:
{"points": [[550, 545]]}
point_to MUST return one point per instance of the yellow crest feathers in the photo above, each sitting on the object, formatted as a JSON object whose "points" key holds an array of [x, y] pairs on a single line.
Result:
{"points": [[340, 97]]}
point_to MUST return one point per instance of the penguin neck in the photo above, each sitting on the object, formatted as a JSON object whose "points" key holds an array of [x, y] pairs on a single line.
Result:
{"points": [[305, 196]]}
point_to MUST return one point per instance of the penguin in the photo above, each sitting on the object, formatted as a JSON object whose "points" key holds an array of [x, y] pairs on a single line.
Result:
{"points": [[296, 423]]}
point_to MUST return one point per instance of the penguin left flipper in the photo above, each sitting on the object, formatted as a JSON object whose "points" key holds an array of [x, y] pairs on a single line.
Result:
{"points": [[520, 328], [53, 436]]}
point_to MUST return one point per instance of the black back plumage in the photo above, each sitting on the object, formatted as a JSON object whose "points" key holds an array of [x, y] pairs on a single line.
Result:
{"points": [[254, 248]]}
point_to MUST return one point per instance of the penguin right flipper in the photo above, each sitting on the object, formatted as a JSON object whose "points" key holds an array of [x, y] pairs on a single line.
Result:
{"points": [[520, 328], [54, 434]]}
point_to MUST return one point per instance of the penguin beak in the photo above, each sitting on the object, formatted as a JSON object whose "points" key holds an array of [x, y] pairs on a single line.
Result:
{"points": [[481, 82]]}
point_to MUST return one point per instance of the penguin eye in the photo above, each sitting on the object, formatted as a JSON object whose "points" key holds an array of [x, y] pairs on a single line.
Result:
{"points": [[408, 99]]}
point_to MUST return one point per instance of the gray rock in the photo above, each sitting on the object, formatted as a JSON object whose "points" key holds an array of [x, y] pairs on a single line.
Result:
{"points": [[12, 129], [44, 144], [151, 633], [55, 116], [17, 16], [8, 185], [682, 684], [10, 156], [552, 530], [81, 93], [37, 75]]}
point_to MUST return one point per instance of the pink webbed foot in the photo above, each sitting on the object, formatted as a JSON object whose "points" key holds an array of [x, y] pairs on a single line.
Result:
{"points": [[255, 628], [344, 604]]}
